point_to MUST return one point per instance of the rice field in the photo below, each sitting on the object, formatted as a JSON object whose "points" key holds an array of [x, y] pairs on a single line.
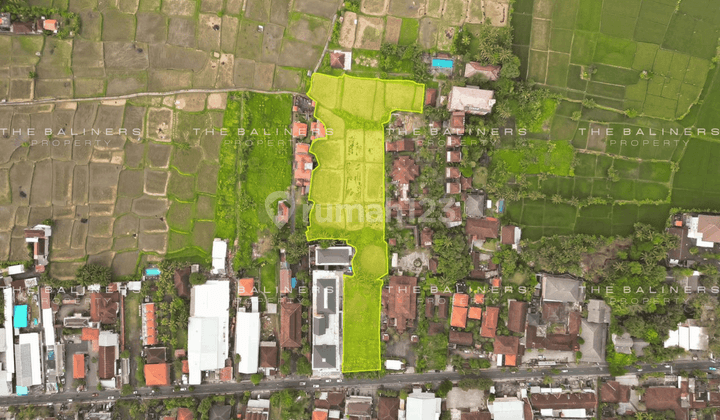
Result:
{"points": [[347, 190]]}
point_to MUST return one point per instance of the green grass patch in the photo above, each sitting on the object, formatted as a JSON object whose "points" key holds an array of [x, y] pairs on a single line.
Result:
{"points": [[409, 31], [538, 156]]}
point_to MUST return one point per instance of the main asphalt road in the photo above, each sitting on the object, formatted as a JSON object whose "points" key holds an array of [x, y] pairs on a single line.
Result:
{"points": [[389, 381]]}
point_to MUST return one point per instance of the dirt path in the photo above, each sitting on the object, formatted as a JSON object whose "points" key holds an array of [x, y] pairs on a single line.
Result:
{"points": [[142, 94]]}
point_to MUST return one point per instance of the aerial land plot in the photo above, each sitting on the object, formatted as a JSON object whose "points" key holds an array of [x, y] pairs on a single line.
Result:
{"points": [[356, 109]]}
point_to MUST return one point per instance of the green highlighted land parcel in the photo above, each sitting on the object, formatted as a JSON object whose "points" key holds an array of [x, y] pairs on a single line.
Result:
{"points": [[348, 193]]}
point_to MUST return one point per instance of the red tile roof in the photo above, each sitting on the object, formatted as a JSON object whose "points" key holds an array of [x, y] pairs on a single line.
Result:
{"points": [[303, 166], [318, 130], [320, 415], [182, 281], [405, 207], [388, 408], [106, 362], [226, 374], [586, 400], [506, 345], [302, 148], [104, 307], [269, 356], [453, 214], [508, 235], [283, 214], [457, 122], [614, 392], [285, 280], [290, 324], [459, 316], [431, 96], [517, 314], [460, 338], [426, 237], [50, 25], [475, 313], [184, 414], [482, 228], [90, 334], [185, 366], [461, 299], [78, 366], [337, 60], [479, 298], [452, 141], [299, 129], [404, 170], [157, 375], [510, 360], [452, 172], [454, 156], [489, 324], [45, 297], [665, 398], [245, 286], [402, 301], [404, 145], [452, 188], [149, 324]]}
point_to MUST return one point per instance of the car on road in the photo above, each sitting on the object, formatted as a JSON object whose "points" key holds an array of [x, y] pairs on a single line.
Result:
{"points": [[339, 380], [111, 397], [69, 399], [316, 386], [302, 383], [564, 371], [95, 394], [135, 392], [712, 368], [667, 366], [328, 380], [639, 370]]}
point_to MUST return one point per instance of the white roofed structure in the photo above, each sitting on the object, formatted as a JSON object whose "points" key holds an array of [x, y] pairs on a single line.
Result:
{"points": [[219, 254], [423, 406], [688, 336], [507, 408], [208, 328], [471, 100], [27, 360], [247, 341], [48, 327]]}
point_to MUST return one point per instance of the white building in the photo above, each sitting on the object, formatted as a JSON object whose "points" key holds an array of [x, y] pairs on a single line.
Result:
{"points": [[471, 100], [423, 406], [688, 336], [326, 328], [208, 331], [247, 341], [705, 229], [219, 253], [507, 408], [27, 360]]}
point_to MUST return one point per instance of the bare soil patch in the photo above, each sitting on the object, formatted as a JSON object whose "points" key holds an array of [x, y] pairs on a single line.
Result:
{"points": [[369, 33], [392, 29], [348, 30]]}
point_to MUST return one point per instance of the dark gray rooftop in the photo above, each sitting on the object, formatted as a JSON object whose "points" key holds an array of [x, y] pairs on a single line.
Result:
{"points": [[324, 357], [326, 296], [333, 256]]}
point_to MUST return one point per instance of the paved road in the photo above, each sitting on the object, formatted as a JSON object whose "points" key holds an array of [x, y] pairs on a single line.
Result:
{"points": [[389, 381]]}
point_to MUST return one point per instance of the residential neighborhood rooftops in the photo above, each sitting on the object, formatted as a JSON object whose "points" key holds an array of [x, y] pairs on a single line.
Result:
{"points": [[402, 301], [506, 345], [404, 170], [586, 400], [459, 316], [402, 145], [614, 392], [388, 408], [489, 323], [157, 375], [491, 73], [488, 227], [598, 311], [104, 307], [290, 323], [517, 314], [182, 281], [560, 289], [475, 313], [245, 286], [431, 96], [460, 338], [471, 100], [78, 366], [106, 362]]}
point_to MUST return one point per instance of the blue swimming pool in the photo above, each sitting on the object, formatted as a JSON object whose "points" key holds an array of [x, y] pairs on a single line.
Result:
{"points": [[20, 316], [152, 271], [442, 63]]}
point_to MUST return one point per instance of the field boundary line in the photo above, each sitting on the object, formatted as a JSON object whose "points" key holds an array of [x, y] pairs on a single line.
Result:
{"points": [[144, 94]]}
